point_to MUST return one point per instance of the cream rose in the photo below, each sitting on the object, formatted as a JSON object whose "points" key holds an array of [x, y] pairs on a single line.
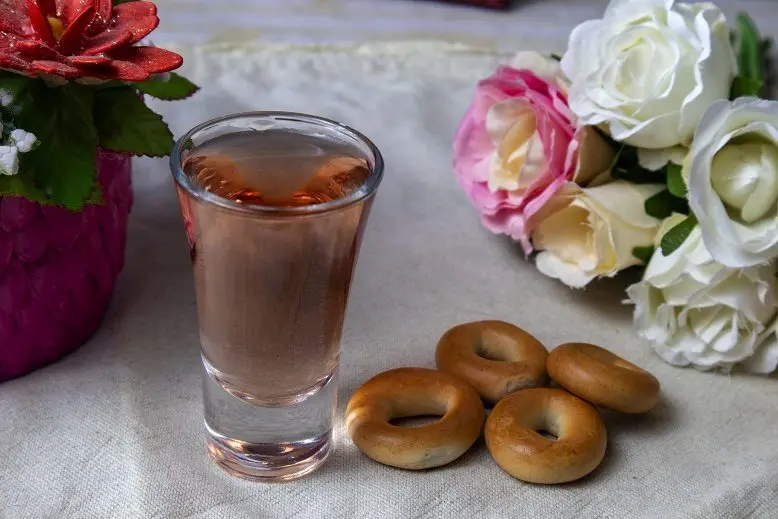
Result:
{"points": [[732, 174], [585, 233], [649, 69], [698, 312]]}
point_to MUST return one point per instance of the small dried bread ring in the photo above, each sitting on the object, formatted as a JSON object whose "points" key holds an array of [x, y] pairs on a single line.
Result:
{"points": [[406, 392], [495, 357], [602, 378], [515, 443]]}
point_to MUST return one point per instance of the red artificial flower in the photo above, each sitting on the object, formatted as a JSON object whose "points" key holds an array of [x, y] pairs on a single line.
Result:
{"points": [[81, 39]]}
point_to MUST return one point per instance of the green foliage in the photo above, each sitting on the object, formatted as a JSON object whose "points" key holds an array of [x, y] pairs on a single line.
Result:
{"points": [[626, 167], [643, 253], [744, 86], [61, 170], [752, 58], [71, 122], [675, 182], [675, 237], [125, 124], [663, 204], [175, 88]]}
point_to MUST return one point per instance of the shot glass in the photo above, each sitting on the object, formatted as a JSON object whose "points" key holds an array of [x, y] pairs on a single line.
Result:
{"points": [[274, 206]]}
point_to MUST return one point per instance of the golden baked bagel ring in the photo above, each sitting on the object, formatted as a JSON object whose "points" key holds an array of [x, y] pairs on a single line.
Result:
{"points": [[514, 440], [602, 378], [406, 392], [495, 357]]}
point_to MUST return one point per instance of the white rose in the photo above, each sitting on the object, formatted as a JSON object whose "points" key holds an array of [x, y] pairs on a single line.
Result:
{"points": [[698, 312], [765, 358], [732, 174], [649, 69], [541, 65], [585, 233]]}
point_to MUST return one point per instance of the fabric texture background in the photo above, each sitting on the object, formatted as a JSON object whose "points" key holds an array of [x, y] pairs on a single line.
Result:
{"points": [[530, 24], [115, 430]]}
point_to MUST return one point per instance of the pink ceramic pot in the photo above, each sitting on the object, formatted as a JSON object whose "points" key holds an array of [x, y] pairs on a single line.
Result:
{"points": [[58, 270]]}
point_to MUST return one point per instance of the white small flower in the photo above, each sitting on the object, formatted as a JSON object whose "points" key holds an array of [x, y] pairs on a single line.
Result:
{"points": [[6, 98], [19, 141], [24, 141], [9, 160]]}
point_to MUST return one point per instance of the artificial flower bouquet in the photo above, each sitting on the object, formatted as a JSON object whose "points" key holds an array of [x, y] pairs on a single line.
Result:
{"points": [[73, 76], [648, 143]]}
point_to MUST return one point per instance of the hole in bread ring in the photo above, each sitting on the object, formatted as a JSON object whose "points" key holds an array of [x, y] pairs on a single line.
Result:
{"points": [[603, 378], [412, 392], [514, 436], [495, 357]]}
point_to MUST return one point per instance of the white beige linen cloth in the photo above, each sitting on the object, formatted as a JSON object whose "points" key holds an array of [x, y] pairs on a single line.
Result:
{"points": [[530, 24], [115, 430]]}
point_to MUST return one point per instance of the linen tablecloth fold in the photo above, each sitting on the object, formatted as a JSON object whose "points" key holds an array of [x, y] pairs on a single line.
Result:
{"points": [[115, 430]]}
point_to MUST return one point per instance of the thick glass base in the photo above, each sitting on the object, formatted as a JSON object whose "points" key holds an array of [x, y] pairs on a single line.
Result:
{"points": [[268, 462], [268, 442]]}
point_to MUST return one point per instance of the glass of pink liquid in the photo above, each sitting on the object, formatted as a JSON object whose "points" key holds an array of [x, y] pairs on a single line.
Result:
{"points": [[274, 206]]}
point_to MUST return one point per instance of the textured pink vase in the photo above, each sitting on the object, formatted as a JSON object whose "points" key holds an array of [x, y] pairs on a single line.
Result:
{"points": [[58, 269]]}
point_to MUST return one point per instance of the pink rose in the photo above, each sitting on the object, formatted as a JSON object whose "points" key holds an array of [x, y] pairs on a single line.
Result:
{"points": [[519, 143]]}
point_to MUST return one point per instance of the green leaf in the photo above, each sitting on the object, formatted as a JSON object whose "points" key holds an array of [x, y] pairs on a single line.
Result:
{"points": [[174, 89], [625, 166], [675, 182], [750, 59], [636, 175], [643, 253], [744, 86], [16, 186], [663, 204], [675, 237], [14, 84], [125, 124], [556, 57], [62, 169]]}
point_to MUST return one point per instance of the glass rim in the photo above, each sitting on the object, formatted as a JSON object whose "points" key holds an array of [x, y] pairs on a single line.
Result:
{"points": [[364, 191]]}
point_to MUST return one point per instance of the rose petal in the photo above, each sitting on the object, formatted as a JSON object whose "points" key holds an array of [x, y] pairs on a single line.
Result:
{"points": [[33, 50], [152, 59], [8, 61], [103, 10], [39, 23], [106, 41], [135, 9], [140, 18], [12, 19], [55, 68], [90, 60], [72, 37], [117, 69], [47, 7]]}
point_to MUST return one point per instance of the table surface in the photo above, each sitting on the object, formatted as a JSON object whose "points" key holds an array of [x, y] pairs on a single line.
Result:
{"points": [[115, 430]]}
